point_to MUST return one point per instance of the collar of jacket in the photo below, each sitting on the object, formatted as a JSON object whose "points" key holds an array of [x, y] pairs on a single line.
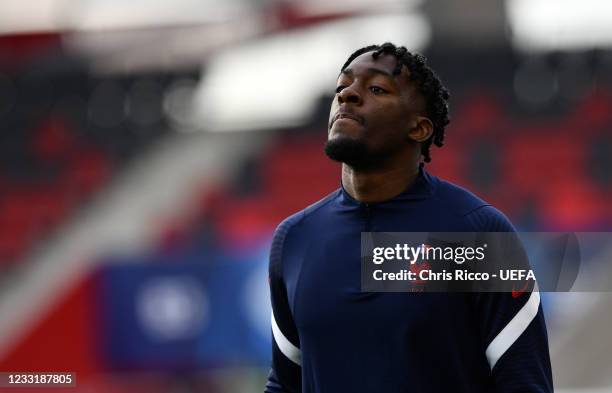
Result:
{"points": [[421, 188]]}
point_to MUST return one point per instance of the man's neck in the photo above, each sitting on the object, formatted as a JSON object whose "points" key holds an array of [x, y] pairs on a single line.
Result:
{"points": [[378, 186]]}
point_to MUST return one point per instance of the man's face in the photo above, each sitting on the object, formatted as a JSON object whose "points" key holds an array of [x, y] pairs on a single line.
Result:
{"points": [[372, 113]]}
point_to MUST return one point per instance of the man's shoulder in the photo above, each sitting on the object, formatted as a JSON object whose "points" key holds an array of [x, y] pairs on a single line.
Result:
{"points": [[308, 212], [456, 197], [292, 228], [464, 203]]}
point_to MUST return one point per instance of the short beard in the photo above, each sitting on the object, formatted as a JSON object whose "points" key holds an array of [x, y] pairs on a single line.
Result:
{"points": [[354, 153]]}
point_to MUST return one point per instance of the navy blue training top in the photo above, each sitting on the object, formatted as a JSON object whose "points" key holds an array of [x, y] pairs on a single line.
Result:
{"points": [[329, 337]]}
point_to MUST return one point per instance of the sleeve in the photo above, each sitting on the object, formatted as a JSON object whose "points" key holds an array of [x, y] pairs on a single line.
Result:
{"points": [[513, 329], [516, 342], [285, 373]]}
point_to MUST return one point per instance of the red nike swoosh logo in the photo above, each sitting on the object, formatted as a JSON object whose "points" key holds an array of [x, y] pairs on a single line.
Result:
{"points": [[516, 294]]}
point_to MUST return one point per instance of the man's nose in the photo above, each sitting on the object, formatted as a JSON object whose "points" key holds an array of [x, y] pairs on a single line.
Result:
{"points": [[349, 95]]}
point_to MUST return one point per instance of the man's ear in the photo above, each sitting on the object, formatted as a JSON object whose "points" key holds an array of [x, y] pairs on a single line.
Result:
{"points": [[422, 129]]}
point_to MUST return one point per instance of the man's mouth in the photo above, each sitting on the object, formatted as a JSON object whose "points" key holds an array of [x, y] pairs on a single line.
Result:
{"points": [[347, 116]]}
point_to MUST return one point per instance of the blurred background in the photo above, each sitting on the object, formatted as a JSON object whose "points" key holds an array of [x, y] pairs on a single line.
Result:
{"points": [[148, 149]]}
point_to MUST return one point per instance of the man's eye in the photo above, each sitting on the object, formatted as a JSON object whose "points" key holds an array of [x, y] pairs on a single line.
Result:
{"points": [[339, 89], [377, 90]]}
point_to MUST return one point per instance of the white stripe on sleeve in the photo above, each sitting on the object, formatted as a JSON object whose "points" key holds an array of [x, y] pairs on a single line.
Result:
{"points": [[292, 352], [513, 329]]}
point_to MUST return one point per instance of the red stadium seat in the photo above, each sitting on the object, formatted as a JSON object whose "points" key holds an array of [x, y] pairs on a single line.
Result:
{"points": [[53, 141], [88, 170], [537, 161]]}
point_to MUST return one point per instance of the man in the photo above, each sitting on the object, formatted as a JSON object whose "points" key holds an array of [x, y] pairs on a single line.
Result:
{"points": [[328, 335]]}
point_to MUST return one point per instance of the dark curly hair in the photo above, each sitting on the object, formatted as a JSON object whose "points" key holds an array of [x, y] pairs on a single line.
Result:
{"points": [[430, 86]]}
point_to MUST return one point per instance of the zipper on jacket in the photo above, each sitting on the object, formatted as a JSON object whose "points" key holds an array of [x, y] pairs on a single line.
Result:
{"points": [[367, 212]]}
